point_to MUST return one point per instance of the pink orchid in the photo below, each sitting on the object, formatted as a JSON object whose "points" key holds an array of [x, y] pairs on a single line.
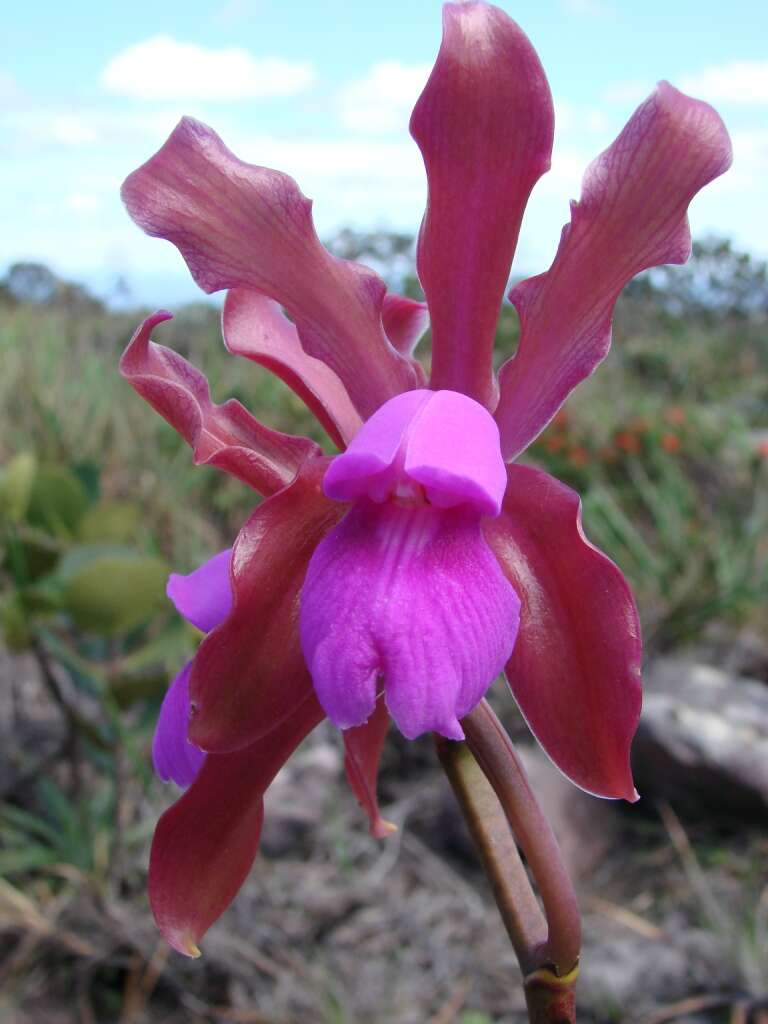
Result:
{"points": [[400, 577]]}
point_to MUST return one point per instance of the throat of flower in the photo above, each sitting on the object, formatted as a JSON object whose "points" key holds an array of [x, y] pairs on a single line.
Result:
{"points": [[402, 534]]}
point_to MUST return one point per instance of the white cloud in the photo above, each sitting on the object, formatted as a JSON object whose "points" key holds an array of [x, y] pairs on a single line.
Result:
{"points": [[381, 103], [50, 129], [363, 183], [741, 81], [84, 202], [163, 68], [579, 121], [628, 92]]}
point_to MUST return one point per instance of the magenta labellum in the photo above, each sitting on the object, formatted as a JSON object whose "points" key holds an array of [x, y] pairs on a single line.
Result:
{"points": [[404, 594]]}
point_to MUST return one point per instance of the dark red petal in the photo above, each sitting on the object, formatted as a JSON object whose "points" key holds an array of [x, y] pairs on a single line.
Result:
{"points": [[484, 125], [575, 669], [226, 436], [239, 225], [362, 752], [405, 320], [249, 673], [631, 216], [205, 843], [255, 327]]}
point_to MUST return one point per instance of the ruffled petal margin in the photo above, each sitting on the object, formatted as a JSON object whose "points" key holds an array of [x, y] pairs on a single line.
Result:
{"points": [[225, 436], [240, 225], [631, 216], [484, 124], [205, 843], [575, 669], [249, 673], [405, 321], [255, 327]]}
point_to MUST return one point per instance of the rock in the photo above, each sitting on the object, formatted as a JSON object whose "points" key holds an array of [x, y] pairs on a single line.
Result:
{"points": [[627, 976], [703, 739], [299, 797]]}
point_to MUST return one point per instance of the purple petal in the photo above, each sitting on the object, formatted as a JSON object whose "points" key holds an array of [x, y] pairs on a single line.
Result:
{"points": [[442, 441], [484, 125], [204, 597], [173, 756], [239, 225], [367, 467], [454, 453], [631, 215], [413, 596]]}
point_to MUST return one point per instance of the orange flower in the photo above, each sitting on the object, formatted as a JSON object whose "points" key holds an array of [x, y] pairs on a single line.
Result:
{"points": [[675, 415], [670, 443], [554, 444], [579, 457], [627, 442], [562, 420]]}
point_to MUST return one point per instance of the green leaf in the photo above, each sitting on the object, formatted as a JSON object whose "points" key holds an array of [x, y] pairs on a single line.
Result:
{"points": [[129, 689], [24, 859], [58, 501], [110, 522], [31, 553], [16, 486], [113, 594], [13, 616]]}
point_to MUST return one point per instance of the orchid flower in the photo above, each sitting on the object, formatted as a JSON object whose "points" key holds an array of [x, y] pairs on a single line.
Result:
{"points": [[400, 577]]}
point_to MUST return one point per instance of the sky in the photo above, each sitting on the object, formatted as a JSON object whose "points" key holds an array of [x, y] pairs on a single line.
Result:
{"points": [[323, 90]]}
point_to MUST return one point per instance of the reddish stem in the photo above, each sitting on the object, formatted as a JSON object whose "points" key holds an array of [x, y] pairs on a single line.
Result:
{"points": [[495, 796]]}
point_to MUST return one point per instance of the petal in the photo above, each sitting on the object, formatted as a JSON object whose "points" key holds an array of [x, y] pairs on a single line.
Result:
{"points": [[362, 752], [631, 216], [203, 597], [443, 441], [454, 453], [405, 320], [412, 595], [255, 327], [239, 225], [575, 670], [226, 436], [249, 673], [484, 125], [368, 467], [173, 756], [205, 843]]}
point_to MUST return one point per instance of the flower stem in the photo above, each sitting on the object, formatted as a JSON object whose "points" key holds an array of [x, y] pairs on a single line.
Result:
{"points": [[495, 797]]}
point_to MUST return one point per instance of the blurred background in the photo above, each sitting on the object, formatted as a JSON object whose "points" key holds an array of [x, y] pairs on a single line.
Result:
{"points": [[667, 444]]}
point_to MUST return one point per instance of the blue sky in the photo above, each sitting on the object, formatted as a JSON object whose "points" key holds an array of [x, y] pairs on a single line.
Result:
{"points": [[323, 91]]}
